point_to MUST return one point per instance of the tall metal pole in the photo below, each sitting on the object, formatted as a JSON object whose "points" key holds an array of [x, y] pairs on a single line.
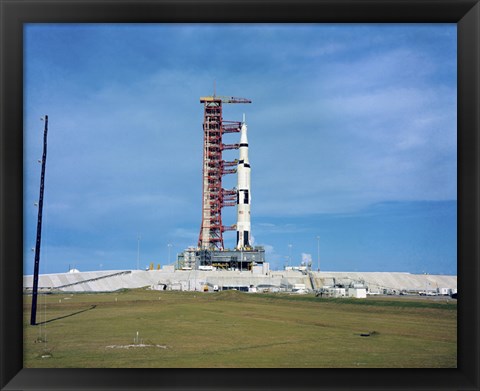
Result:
{"points": [[36, 269], [318, 252], [290, 254], [169, 245], [138, 252]]}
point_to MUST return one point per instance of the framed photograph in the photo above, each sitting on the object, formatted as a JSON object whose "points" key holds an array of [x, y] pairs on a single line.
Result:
{"points": [[363, 124]]}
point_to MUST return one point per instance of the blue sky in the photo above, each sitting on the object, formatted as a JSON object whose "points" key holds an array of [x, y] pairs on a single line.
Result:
{"points": [[352, 135]]}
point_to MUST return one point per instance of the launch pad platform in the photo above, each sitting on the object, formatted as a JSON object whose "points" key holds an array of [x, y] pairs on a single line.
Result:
{"points": [[197, 259]]}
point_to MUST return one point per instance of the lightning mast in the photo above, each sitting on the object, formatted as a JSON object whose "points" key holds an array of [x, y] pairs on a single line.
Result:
{"points": [[214, 167]]}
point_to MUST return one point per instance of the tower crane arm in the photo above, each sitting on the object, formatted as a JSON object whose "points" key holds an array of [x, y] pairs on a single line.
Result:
{"points": [[232, 99], [224, 99]]}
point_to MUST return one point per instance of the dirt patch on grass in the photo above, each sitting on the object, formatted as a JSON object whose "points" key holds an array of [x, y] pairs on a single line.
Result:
{"points": [[135, 346]]}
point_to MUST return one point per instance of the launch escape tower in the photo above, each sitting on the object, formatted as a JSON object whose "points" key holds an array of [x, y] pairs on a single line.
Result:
{"points": [[214, 167]]}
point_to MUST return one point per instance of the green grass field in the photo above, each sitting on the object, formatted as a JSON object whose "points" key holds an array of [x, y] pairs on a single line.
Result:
{"points": [[235, 329]]}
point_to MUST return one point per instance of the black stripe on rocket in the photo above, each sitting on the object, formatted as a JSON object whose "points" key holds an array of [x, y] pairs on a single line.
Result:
{"points": [[245, 238], [245, 197]]}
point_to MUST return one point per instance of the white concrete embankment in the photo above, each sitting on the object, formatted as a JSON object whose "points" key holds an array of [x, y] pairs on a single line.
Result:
{"points": [[112, 280]]}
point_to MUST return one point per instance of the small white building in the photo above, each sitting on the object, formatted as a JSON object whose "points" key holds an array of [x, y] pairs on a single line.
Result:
{"points": [[261, 268], [444, 291], [207, 268], [257, 269], [332, 292], [358, 293], [158, 287]]}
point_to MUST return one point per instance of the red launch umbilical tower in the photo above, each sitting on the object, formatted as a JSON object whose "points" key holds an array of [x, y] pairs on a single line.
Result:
{"points": [[214, 167]]}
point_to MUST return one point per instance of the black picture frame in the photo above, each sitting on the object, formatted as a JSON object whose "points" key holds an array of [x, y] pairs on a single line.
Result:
{"points": [[14, 13]]}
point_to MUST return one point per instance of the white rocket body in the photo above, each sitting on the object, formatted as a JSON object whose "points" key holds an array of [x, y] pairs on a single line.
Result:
{"points": [[243, 193]]}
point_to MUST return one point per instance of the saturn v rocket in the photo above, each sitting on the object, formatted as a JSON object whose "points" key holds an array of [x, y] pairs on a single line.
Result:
{"points": [[243, 193]]}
